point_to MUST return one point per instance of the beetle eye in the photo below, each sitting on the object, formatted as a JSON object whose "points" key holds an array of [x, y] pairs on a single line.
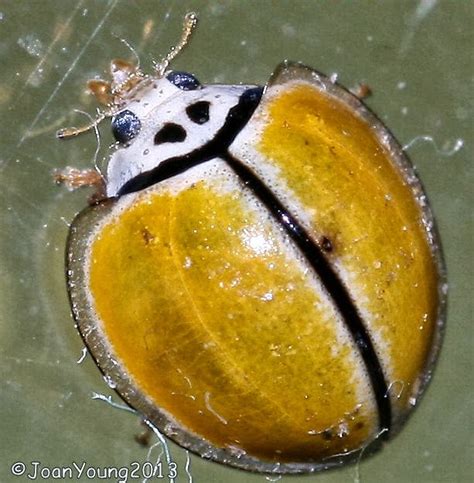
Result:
{"points": [[183, 80], [125, 126]]}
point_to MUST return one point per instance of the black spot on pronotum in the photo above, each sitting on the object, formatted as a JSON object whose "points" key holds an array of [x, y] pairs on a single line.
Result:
{"points": [[170, 133], [183, 80], [198, 112], [125, 126]]}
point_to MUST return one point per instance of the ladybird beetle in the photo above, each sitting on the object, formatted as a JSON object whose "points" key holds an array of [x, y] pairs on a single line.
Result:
{"points": [[262, 279]]}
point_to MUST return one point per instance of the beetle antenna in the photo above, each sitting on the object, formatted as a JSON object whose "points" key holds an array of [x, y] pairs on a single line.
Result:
{"points": [[190, 22], [93, 125], [132, 50]]}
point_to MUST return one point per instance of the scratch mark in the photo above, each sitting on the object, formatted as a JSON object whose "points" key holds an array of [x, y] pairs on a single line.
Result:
{"points": [[422, 10], [68, 72], [160, 28], [188, 466], [27, 360], [211, 409], [163, 442], [21, 196], [56, 39], [108, 400], [83, 356], [158, 458], [448, 149]]}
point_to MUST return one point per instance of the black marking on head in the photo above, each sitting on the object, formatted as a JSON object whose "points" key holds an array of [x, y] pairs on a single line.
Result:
{"points": [[199, 112], [125, 126], [183, 80], [236, 119], [170, 133]]}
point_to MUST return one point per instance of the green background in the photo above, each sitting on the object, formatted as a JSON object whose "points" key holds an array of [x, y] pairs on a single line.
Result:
{"points": [[418, 58]]}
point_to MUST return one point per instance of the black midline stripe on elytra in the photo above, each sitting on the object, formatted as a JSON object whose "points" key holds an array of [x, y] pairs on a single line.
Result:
{"points": [[329, 279], [236, 119]]}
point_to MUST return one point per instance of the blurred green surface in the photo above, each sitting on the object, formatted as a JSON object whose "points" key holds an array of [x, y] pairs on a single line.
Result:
{"points": [[417, 56]]}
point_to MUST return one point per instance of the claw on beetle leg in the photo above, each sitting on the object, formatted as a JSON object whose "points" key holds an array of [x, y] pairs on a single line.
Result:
{"points": [[74, 178], [69, 132]]}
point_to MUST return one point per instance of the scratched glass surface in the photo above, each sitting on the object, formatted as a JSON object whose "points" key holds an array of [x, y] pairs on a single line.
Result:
{"points": [[417, 58]]}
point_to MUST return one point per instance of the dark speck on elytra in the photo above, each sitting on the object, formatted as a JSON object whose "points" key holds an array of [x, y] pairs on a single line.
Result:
{"points": [[326, 244], [147, 236], [327, 434]]}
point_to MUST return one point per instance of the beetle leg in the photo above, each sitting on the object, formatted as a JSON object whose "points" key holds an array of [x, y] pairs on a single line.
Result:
{"points": [[143, 438], [74, 178], [361, 90]]}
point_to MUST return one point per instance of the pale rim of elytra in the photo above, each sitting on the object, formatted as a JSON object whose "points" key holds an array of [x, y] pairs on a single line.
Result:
{"points": [[78, 243]]}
